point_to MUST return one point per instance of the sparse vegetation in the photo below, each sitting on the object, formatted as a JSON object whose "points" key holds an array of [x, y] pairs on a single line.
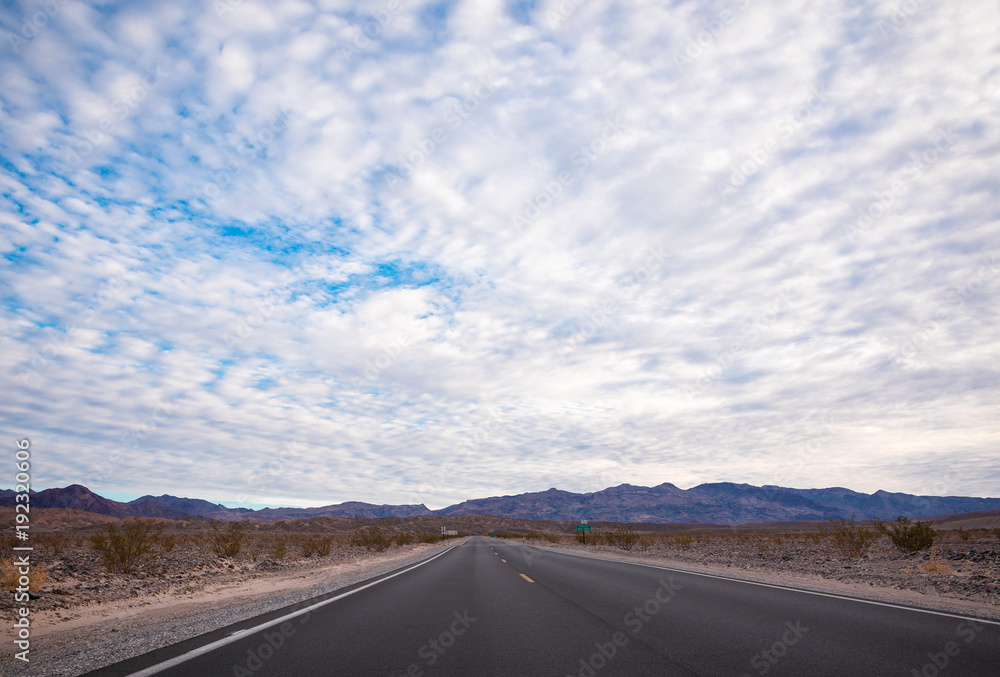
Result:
{"points": [[125, 549], [852, 539], [166, 542], [316, 545], [623, 537], [6, 546], [371, 539], [9, 576], [228, 541], [278, 550], [683, 541], [909, 536], [403, 539], [933, 566]]}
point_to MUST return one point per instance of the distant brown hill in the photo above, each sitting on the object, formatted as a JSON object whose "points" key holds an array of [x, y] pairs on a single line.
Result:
{"points": [[718, 503]]}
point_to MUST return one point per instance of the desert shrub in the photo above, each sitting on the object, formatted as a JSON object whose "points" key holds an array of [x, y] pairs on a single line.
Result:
{"points": [[909, 536], [683, 541], [403, 539], [6, 546], [278, 550], [429, 538], [964, 535], [934, 566], [316, 545], [852, 539], [254, 547], [9, 576], [227, 542], [622, 537], [371, 539], [125, 549], [56, 542], [166, 542]]}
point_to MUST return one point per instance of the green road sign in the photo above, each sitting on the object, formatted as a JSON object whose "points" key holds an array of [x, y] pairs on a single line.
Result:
{"points": [[583, 527]]}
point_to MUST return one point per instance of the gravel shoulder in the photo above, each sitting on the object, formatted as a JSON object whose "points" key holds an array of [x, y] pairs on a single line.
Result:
{"points": [[73, 638]]}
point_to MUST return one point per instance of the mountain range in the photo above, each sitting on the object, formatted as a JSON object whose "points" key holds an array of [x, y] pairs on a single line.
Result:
{"points": [[716, 503]]}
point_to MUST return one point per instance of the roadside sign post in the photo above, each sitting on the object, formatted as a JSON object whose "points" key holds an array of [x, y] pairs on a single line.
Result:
{"points": [[583, 529]]}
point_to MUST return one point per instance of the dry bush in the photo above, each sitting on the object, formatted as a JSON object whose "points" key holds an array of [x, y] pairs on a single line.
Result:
{"points": [[6, 546], [278, 550], [933, 566], [852, 539], [622, 537], [55, 542], [683, 541], [227, 542], [9, 576], [909, 537], [403, 539], [126, 548], [254, 547], [316, 545], [372, 539], [166, 542]]}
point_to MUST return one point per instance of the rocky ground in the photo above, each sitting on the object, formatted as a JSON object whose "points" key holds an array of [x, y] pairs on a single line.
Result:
{"points": [[956, 569], [76, 577]]}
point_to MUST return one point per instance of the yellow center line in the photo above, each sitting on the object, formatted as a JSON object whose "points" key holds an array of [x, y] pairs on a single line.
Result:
{"points": [[503, 560], [526, 578]]}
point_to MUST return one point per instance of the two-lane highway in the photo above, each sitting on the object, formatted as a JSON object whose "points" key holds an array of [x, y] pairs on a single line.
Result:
{"points": [[488, 607]]}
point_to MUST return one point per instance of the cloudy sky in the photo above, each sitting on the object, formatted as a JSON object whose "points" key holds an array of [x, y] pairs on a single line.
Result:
{"points": [[298, 253]]}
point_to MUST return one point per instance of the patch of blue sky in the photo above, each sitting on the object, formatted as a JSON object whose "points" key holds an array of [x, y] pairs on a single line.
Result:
{"points": [[264, 384], [521, 11]]}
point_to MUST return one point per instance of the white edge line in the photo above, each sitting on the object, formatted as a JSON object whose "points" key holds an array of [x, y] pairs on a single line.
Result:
{"points": [[229, 639], [779, 587]]}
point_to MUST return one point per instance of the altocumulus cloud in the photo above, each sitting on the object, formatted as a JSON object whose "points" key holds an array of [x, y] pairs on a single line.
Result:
{"points": [[411, 251]]}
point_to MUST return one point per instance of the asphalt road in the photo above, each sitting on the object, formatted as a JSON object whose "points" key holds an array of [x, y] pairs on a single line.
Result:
{"points": [[488, 607]]}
